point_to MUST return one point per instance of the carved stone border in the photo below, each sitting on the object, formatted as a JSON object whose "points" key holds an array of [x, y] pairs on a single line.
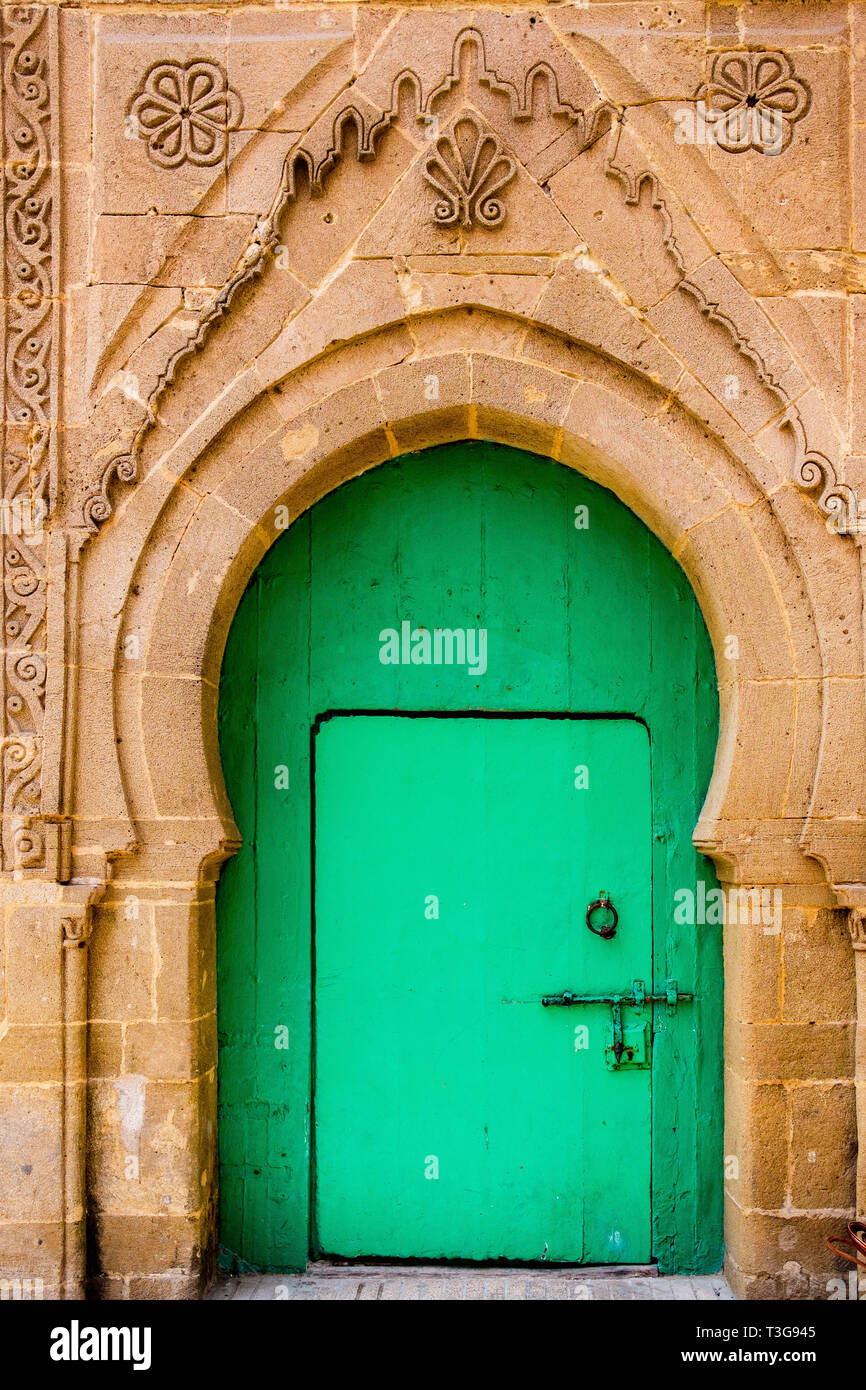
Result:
{"points": [[812, 470], [28, 41]]}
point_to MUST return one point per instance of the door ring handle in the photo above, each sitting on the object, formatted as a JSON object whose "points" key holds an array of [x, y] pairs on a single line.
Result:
{"points": [[607, 929]]}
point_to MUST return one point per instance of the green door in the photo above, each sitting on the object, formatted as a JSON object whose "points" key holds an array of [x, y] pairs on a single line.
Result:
{"points": [[378, 754], [455, 1117]]}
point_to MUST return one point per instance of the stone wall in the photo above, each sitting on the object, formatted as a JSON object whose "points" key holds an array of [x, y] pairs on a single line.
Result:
{"points": [[251, 251]]}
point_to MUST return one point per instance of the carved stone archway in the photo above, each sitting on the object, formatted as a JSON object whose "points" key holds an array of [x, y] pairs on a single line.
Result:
{"points": [[504, 238], [201, 526]]}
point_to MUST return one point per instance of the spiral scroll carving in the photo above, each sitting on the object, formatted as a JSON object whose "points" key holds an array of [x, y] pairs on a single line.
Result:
{"points": [[28, 442]]}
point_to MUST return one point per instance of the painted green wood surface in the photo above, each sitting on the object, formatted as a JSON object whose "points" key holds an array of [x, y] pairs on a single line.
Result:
{"points": [[454, 1115], [594, 618]]}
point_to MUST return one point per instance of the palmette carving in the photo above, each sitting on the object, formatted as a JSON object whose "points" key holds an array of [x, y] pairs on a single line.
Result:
{"points": [[28, 452], [469, 169]]}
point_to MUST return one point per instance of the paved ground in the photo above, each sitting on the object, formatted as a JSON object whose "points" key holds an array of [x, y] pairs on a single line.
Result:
{"points": [[390, 1282]]}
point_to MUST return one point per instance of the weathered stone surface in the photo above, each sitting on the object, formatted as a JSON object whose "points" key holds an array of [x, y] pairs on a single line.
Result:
{"points": [[257, 293], [823, 1147]]}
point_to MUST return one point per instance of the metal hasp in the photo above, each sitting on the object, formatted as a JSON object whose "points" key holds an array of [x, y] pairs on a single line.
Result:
{"points": [[635, 1046]]}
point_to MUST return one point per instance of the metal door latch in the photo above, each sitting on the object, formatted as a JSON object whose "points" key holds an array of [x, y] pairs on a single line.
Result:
{"points": [[626, 1046], [606, 929]]}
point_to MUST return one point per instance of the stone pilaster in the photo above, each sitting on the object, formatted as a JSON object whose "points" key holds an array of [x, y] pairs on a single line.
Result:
{"points": [[857, 927], [44, 946]]}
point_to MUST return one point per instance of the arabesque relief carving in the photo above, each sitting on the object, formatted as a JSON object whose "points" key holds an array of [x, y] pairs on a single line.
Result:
{"points": [[813, 471], [756, 94], [533, 259], [302, 162], [30, 238]]}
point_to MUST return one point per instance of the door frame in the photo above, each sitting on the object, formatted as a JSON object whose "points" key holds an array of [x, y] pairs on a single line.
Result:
{"points": [[511, 716], [672, 682]]}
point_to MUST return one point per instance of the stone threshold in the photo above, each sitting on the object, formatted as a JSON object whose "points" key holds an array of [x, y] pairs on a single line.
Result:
{"points": [[330, 1268], [434, 1283]]}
